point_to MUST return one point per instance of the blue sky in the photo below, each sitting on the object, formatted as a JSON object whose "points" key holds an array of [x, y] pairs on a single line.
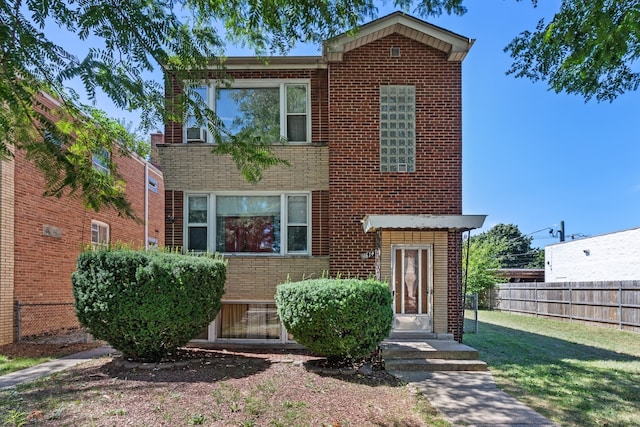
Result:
{"points": [[533, 157]]}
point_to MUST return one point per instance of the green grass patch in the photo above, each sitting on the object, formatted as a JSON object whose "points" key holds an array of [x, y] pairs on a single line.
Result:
{"points": [[8, 365], [576, 375]]}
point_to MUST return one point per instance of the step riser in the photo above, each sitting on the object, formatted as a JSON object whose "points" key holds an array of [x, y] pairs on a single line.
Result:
{"points": [[417, 354], [391, 365]]}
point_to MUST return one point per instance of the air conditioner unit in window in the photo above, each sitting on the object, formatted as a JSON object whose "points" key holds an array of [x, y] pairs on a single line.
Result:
{"points": [[196, 135]]}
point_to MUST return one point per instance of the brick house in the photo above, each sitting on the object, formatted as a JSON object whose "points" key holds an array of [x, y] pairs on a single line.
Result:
{"points": [[41, 238], [374, 132]]}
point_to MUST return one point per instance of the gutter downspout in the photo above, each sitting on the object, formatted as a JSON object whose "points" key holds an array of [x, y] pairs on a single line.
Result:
{"points": [[146, 205]]}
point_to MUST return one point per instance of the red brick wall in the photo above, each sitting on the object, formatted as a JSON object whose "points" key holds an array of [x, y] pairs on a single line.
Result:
{"points": [[357, 187], [43, 264]]}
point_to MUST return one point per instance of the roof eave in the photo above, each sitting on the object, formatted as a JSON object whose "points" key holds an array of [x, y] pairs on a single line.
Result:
{"points": [[423, 222]]}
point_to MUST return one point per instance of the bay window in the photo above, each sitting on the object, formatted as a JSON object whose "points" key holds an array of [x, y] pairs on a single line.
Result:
{"points": [[271, 110], [275, 224]]}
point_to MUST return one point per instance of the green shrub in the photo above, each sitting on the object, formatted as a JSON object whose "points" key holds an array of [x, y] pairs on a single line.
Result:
{"points": [[338, 319], [147, 304]]}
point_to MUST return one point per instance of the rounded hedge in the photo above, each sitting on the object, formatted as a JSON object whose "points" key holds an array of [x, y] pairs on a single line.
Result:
{"points": [[336, 318], [147, 304]]}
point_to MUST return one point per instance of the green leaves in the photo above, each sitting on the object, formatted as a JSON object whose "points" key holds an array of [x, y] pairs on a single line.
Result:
{"points": [[113, 47], [336, 318], [590, 48], [147, 304], [503, 246]]}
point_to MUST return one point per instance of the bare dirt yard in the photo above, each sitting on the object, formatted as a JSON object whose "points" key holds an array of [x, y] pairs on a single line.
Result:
{"points": [[212, 388]]}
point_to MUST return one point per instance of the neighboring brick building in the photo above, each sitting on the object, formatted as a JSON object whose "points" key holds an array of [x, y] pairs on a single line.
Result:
{"points": [[375, 185], [41, 238]]}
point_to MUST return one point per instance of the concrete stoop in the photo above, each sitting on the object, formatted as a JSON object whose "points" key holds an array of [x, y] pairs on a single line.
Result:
{"points": [[431, 355]]}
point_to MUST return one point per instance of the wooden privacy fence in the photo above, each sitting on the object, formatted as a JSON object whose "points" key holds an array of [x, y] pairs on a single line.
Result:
{"points": [[614, 304]]}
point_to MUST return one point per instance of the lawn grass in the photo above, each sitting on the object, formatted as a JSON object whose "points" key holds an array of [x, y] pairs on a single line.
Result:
{"points": [[8, 364], [576, 375]]}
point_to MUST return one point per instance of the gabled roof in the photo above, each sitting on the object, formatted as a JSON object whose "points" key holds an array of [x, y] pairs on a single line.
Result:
{"points": [[454, 45]]}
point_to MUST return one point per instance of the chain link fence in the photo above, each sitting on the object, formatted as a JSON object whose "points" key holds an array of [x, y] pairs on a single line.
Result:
{"points": [[48, 323]]}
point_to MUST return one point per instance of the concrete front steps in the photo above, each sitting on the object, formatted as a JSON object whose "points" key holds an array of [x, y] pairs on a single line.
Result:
{"points": [[404, 352]]}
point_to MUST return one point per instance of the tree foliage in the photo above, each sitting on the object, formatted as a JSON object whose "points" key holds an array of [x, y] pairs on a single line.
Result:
{"points": [[512, 249], [502, 246], [129, 40], [589, 48], [481, 267]]}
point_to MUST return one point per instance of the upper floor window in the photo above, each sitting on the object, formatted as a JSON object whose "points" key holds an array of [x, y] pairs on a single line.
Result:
{"points": [[397, 129], [271, 110], [100, 159], [99, 235], [253, 224]]}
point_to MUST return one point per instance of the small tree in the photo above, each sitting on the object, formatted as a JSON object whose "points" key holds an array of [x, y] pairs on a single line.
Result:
{"points": [[483, 262]]}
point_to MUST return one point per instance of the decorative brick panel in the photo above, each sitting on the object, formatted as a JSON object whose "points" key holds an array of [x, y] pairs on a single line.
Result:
{"points": [[455, 310], [174, 219], [320, 223]]}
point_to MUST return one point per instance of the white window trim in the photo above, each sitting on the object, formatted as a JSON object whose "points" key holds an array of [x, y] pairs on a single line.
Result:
{"points": [[211, 221], [98, 165], [99, 224], [188, 224], [257, 83]]}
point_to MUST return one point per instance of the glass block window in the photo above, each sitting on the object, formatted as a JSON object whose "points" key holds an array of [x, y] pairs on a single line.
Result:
{"points": [[397, 128]]}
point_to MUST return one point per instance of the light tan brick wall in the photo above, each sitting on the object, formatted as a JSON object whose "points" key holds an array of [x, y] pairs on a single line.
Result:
{"points": [[438, 240], [7, 236], [192, 167], [256, 278]]}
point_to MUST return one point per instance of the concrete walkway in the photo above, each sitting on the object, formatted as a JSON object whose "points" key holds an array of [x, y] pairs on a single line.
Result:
{"points": [[472, 399], [48, 368]]}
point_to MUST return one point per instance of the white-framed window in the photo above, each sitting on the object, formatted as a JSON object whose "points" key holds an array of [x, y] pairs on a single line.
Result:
{"points": [[100, 160], [270, 109], [397, 128], [152, 184], [99, 235], [197, 222], [262, 223]]}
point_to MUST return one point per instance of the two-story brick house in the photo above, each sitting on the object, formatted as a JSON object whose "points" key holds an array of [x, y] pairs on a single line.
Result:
{"points": [[41, 238], [374, 132]]}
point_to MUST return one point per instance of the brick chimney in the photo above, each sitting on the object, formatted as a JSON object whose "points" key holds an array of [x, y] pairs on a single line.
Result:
{"points": [[156, 138]]}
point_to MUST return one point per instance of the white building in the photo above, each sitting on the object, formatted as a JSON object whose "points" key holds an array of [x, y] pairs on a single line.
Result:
{"points": [[612, 256]]}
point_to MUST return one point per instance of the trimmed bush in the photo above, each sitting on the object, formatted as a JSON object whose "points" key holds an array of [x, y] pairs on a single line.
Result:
{"points": [[336, 318], [147, 304]]}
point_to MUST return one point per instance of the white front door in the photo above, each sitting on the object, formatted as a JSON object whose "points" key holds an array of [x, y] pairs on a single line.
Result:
{"points": [[412, 287]]}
